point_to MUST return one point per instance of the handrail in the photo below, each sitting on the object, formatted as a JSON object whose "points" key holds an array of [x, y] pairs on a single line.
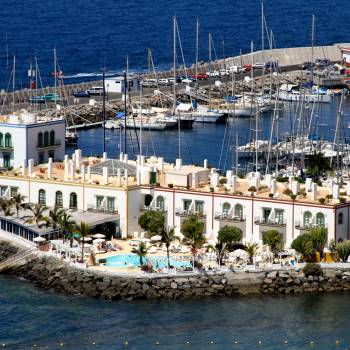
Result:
{"points": [[15, 258]]}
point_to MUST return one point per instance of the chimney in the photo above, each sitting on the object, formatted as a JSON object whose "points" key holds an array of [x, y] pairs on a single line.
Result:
{"points": [[194, 180], [126, 177], [273, 186], [335, 191], [178, 164], [229, 174], [234, 182], [295, 187], [78, 158], [24, 165], [126, 158], [214, 180], [105, 175], [30, 167], [205, 165], [72, 168], [82, 173], [308, 184], [89, 174], [119, 178], [121, 156], [160, 164], [49, 169], [268, 179], [138, 160], [66, 159], [314, 192], [104, 156], [143, 160]]}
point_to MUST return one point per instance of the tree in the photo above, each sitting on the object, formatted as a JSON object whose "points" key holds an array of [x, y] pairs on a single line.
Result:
{"points": [[317, 164], [6, 206], [37, 214], [303, 245], [229, 234], [251, 249], [152, 221], [274, 240], [168, 237], [141, 251], [220, 248], [55, 215], [193, 231], [84, 230], [66, 225], [18, 202], [319, 236]]}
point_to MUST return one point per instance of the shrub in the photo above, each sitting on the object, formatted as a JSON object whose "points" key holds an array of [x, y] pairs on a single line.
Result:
{"points": [[261, 188], [170, 185], [271, 195], [300, 180], [288, 192], [274, 240], [282, 179], [329, 196], [152, 221], [238, 193], [102, 261], [342, 200], [342, 193], [212, 189], [293, 197], [322, 200], [343, 250], [188, 187], [223, 181], [318, 236], [252, 189], [229, 234], [303, 245], [311, 269]]}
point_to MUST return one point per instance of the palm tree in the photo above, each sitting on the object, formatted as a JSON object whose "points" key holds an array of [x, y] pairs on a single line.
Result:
{"points": [[66, 225], [317, 164], [38, 214], [251, 249], [220, 248], [84, 230], [141, 251], [18, 202], [55, 215], [168, 237], [6, 205]]}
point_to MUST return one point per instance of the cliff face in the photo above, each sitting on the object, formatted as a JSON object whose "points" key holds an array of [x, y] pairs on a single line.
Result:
{"points": [[7, 250]]}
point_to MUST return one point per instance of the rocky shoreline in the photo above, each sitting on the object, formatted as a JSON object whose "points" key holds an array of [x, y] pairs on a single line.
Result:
{"points": [[49, 273]]}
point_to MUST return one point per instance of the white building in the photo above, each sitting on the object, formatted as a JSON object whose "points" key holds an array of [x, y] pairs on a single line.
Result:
{"points": [[24, 136], [123, 189], [116, 84]]}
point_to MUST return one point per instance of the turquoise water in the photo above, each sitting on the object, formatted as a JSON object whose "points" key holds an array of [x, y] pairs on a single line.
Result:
{"points": [[29, 316], [131, 260]]}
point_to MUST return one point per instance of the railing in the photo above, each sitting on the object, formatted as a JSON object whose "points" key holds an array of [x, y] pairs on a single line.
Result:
{"points": [[273, 223], [6, 147], [303, 227], [183, 212], [98, 209], [155, 208], [7, 263], [227, 217], [56, 144]]}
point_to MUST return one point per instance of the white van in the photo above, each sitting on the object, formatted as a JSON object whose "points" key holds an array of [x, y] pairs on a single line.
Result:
{"points": [[95, 90]]}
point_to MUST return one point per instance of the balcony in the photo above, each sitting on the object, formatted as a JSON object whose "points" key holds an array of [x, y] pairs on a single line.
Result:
{"points": [[155, 208], [7, 148], [304, 227], [99, 209], [183, 213], [49, 147], [270, 223], [228, 217]]}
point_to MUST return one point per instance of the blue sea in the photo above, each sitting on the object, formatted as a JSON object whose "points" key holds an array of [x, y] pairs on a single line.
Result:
{"points": [[90, 35]]}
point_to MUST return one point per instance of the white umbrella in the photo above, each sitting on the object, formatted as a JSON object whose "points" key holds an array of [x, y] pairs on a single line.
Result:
{"points": [[156, 238], [99, 235], [86, 239], [144, 239], [99, 240], [39, 239]]}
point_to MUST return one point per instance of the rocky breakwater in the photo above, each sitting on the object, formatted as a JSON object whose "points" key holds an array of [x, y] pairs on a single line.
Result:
{"points": [[309, 280], [7, 250], [49, 273]]}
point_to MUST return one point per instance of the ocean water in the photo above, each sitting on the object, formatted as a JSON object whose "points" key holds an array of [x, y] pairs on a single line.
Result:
{"points": [[29, 316], [89, 35]]}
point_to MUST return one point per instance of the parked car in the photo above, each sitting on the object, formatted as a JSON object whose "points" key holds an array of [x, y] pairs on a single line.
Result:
{"points": [[200, 76], [82, 93], [163, 81], [258, 65], [306, 65], [149, 83], [36, 99], [95, 90], [247, 68], [50, 97], [235, 69], [271, 65]]}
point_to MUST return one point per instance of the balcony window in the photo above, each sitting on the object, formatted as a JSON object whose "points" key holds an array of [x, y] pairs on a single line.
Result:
{"points": [[307, 219], [111, 204], [59, 199], [279, 216], [42, 197], [266, 214], [238, 211], [199, 207], [226, 209], [46, 138], [52, 138], [1, 139], [320, 219], [14, 191], [8, 140], [187, 204], [160, 202], [40, 139], [3, 190], [99, 200], [340, 218], [73, 201]]}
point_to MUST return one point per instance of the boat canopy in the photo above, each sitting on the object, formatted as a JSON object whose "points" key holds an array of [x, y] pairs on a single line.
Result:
{"points": [[288, 87], [120, 115]]}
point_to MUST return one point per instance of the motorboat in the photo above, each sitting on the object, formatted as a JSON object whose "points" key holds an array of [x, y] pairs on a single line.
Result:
{"points": [[71, 138]]}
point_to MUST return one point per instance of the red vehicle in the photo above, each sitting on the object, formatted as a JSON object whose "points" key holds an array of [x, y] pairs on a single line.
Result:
{"points": [[247, 67], [200, 76]]}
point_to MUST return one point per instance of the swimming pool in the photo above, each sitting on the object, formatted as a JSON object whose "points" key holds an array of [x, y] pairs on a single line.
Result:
{"points": [[132, 260]]}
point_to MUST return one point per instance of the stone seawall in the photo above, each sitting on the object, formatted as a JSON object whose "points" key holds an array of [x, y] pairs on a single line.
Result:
{"points": [[7, 250], [49, 273]]}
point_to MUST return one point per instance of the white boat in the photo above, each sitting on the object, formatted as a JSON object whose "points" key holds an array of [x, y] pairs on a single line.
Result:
{"points": [[147, 123], [71, 137], [200, 114], [112, 124], [289, 92], [249, 150]]}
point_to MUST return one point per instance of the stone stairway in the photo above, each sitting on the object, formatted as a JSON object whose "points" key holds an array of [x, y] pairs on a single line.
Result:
{"points": [[15, 259]]}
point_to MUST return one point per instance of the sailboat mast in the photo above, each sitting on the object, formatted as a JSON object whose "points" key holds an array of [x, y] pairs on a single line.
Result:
{"points": [[141, 120], [174, 64], [104, 108], [125, 111], [13, 83], [197, 54], [312, 47], [55, 73], [210, 70]]}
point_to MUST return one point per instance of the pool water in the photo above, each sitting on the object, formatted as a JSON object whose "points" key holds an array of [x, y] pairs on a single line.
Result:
{"points": [[133, 260]]}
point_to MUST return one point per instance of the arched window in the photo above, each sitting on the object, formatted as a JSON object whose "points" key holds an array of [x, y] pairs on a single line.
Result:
{"points": [[148, 200], [226, 207], [8, 140], [52, 138], [40, 139], [73, 201], [42, 197], [340, 218], [320, 219], [1, 139], [46, 138], [239, 211], [59, 199], [160, 202], [307, 219]]}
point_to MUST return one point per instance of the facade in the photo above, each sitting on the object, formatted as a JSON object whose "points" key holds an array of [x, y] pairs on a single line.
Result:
{"points": [[116, 84], [24, 136], [128, 188]]}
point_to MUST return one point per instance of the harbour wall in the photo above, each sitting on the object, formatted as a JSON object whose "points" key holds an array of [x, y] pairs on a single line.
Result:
{"points": [[50, 273], [286, 57]]}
